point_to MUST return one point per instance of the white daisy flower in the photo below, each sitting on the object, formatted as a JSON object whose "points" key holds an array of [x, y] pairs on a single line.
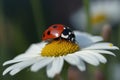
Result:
{"points": [[52, 55], [101, 11]]}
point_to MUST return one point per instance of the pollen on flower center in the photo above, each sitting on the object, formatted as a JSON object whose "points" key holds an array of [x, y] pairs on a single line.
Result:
{"points": [[110, 45], [59, 48]]}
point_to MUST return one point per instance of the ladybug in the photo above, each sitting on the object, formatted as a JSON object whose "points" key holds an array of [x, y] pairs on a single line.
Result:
{"points": [[57, 31]]}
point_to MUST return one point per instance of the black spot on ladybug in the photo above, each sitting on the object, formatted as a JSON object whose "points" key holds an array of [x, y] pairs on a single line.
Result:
{"points": [[48, 33], [54, 26]]}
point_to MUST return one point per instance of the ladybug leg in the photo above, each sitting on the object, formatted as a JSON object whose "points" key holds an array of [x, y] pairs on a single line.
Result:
{"points": [[60, 38], [49, 40], [76, 42]]}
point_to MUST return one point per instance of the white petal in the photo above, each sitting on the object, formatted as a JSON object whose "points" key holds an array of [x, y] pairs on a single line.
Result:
{"points": [[20, 65], [23, 56], [102, 46], [24, 59], [35, 47], [83, 39], [101, 58], [13, 61], [87, 57], [81, 66], [74, 60], [96, 39], [8, 69], [55, 67], [104, 52], [33, 50], [41, 63], [71, 59], [98, 56], [14, 71]]}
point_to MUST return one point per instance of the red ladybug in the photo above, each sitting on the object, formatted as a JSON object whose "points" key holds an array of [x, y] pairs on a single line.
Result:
{"points": [[58, 31]]}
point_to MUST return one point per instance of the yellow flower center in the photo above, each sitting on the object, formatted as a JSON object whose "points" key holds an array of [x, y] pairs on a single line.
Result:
{"points": [[59, 48], [101, 17]]}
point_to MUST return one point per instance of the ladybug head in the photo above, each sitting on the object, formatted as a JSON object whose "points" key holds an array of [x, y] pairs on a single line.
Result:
{"points": [[54, 31]]}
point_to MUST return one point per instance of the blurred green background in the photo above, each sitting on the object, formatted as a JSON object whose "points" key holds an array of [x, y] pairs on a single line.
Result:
{"points": [[22, 23]]}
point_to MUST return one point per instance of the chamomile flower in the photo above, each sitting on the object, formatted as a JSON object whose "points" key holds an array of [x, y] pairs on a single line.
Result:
{"points": [[52, 55], [101, 13]]}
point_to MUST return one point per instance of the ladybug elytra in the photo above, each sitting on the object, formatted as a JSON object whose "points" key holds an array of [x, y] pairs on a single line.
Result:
{"points": [[58, 31]]}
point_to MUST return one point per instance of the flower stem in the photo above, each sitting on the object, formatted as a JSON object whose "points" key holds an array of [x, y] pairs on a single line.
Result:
{"points": [[65, 71], [38, 15], [88, 16]]}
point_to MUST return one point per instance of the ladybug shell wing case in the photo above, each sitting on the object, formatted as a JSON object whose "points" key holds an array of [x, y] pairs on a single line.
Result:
{"points": [[52, 32]]}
